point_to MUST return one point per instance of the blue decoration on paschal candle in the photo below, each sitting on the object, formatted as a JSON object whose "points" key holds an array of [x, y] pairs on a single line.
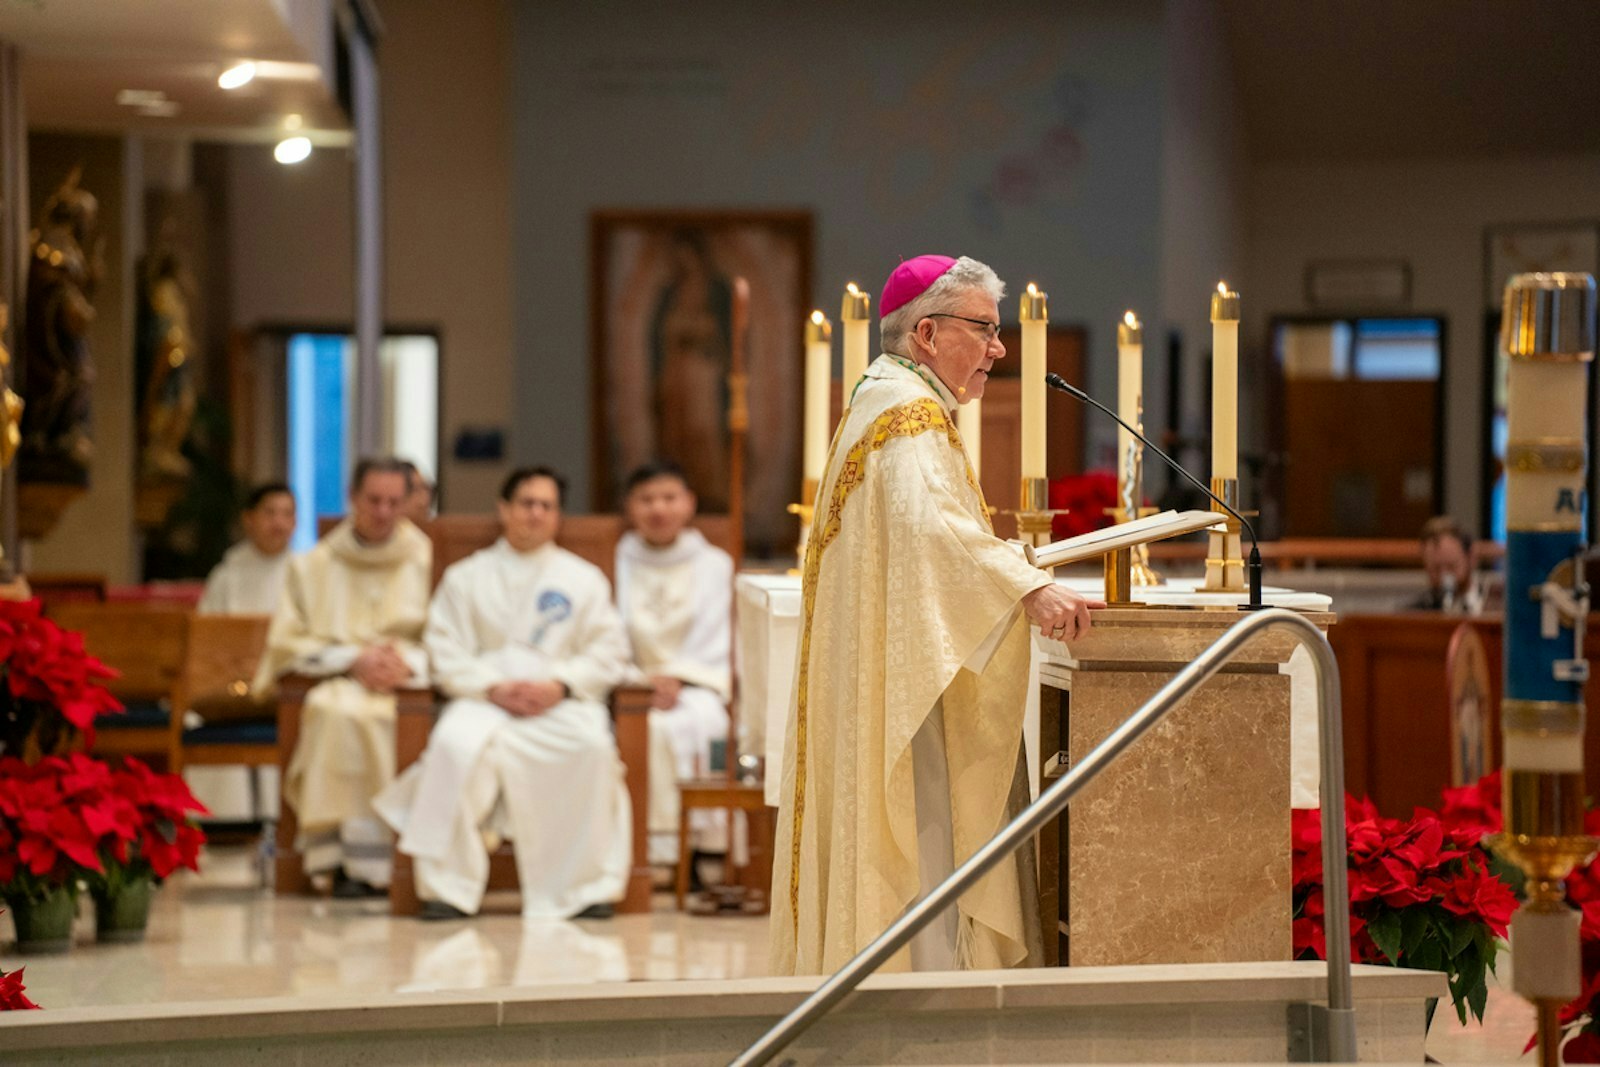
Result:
{"points": [[1532, 559]]}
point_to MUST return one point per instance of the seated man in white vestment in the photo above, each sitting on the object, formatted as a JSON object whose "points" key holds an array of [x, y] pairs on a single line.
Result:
{"points": [[675, 591], [352, 613], [526, 643], [248, 581], [250, 577]]}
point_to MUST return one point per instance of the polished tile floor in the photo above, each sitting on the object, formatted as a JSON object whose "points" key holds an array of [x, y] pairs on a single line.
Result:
{"points": [[214, 936]]}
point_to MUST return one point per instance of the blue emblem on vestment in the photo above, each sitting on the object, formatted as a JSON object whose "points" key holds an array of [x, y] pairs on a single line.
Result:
{"points": [[554, 606]]}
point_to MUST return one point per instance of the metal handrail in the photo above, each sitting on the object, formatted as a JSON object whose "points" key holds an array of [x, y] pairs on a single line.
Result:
{"points": [[1340, 1023]]}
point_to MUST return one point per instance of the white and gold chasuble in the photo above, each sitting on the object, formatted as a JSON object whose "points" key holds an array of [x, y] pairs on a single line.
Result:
{"points": [[910, 609], [341, 597]]}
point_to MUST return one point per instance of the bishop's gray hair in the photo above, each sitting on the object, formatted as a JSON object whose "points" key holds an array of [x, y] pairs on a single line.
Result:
{"points": [[967, 274]]}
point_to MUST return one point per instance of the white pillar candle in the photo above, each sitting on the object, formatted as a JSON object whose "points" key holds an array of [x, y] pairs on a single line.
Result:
{"points": [[1224, 382], [969, 420], [1130, 387], [819, 376], [854, 315], [1035, 324]]}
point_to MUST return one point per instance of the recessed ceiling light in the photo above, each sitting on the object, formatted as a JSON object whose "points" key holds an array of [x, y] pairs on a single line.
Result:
{"points": [[292, 150], [240, 74], [141, 97]]}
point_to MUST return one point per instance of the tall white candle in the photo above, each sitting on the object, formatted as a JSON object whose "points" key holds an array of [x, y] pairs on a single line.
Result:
{"points": [[819, 376], [1035, 323], [969, 420], [1130, 387], [854, 315], [1224, 382]]}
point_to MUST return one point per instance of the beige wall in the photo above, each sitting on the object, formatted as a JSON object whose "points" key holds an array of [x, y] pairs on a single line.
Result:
{"points": [[447, 220], [1432, 214], [1204, 176], [96, 533]]}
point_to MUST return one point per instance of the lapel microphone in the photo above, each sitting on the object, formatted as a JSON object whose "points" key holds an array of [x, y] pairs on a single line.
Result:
{"points": [[1057, 382]]}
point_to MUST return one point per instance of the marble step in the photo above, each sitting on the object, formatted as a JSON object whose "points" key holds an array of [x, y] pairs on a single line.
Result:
{"points": [[1200, 1013]]}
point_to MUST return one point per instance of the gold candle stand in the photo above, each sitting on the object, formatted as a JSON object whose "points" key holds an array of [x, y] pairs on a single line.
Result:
{"points": [[1035, 515], [806, 509], [1224, 552]]}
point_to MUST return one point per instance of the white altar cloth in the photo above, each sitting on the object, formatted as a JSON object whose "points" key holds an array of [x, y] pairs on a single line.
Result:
{"points": [[768, 641]]}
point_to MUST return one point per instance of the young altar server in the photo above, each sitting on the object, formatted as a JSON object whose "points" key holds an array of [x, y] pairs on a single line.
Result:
{"points": [[904, 746], [675, 589], [352, 612], [525, 640], [250, 577]]}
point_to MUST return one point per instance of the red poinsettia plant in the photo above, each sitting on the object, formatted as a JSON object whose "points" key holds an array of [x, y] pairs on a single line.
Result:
{"points": [[155, 831], [1424, 893], [13, 995], [1085, 498], [52, 689], [72, 818], [53, 815]]}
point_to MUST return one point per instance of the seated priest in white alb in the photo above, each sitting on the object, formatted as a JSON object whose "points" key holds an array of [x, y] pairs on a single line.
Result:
{"points": [[248, 581], [352, 614], [250, 577], [526, 643], [675, 590], [903, 753]]}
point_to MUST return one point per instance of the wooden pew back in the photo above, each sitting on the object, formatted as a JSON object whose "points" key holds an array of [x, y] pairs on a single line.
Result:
{"points": [[221, 662], [591, 537], [145, 641]]}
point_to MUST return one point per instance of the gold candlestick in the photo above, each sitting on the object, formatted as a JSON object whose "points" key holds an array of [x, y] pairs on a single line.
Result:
{"points": [[1035, 516], [806, 509], [1225, 554]]}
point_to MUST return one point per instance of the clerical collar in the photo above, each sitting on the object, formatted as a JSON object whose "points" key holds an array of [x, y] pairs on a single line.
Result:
{"points": [[688, 543], [932, 380]]}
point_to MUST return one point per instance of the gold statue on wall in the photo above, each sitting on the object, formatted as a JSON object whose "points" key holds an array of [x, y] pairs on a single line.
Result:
{"points": [[163, 361], [62, 274]]}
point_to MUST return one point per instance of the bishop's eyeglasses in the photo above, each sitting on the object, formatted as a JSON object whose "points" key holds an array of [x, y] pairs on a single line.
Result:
{"points": [[987, 331]]}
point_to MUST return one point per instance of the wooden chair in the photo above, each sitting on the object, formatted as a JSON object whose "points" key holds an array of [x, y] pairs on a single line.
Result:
{"points": [[223, 651], [146, 642], [289, 869]]}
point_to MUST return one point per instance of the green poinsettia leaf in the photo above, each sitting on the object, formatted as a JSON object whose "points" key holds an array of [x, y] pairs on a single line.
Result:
{"points": [[1477, 998], [1386, 933], [1463, 935], [1429, 956], [1414, 926]]}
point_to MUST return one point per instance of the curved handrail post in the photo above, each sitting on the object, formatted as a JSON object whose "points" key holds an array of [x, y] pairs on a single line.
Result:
{"points": [[1053, 801]]}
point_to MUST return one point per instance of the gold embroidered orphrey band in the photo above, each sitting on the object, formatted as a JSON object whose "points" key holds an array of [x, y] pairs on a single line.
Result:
{"points": [[903, 420]]}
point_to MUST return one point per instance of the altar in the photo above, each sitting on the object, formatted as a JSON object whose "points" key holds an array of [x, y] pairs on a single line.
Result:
{"points": [[1180, 853]]}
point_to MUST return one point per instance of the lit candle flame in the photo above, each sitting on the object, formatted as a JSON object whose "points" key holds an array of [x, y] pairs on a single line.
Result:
{"points": [[1222, 287], [817, 317], [851, 289], [1033, 290], [1130, 318]]}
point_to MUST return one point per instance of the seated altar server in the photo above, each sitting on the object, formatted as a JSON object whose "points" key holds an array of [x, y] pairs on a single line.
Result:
{"points": [[903, 752], [675, 589], [250, 577], [525, 641], [352, 612]]}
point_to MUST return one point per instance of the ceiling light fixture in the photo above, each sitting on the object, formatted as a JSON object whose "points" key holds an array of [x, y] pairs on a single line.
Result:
{"points": [[238, 75], [141, 97], [292, 150]]}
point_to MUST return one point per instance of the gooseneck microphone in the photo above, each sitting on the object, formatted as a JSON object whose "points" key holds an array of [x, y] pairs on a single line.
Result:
{"points": [[1056, 381]]}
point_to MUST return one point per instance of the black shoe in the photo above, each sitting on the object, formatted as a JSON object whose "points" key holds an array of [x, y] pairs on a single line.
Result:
{"points": [[347, 888], [439, 911], [596, 911]]}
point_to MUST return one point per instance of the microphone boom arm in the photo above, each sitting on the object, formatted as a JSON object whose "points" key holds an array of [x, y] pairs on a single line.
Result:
{"points": [[1055, 381]]}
